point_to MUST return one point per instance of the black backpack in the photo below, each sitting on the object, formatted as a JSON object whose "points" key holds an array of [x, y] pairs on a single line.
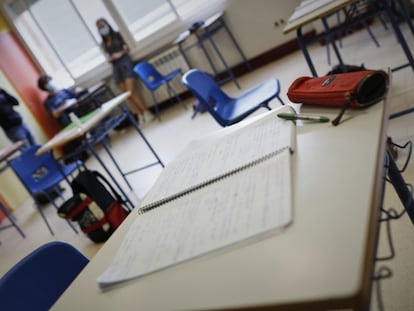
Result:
{"points": [[98, 211]]}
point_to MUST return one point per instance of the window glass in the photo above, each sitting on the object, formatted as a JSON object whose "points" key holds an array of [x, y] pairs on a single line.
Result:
{"points": [[69, 36], [144, 18], [187, 9], [40, 47], [90, 11]]}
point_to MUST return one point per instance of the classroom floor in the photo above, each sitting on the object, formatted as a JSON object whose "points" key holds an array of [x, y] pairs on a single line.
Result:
{"points": [[177, 128]]}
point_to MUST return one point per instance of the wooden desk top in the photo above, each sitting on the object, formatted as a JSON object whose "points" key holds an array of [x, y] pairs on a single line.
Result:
{"points": [[312, 10], [324, 259], [72, 132]]}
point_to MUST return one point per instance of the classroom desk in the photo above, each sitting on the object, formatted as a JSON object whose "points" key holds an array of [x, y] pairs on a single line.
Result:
{"points": [[87, 99], [324, 259], [313, 10], [205, 33], [92, 120]]}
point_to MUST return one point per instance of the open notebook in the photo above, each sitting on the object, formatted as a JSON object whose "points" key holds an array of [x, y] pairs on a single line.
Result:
{"points": [[231, 187]]}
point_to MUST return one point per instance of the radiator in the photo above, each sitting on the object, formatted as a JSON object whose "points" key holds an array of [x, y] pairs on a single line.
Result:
{"points": [[165, 63]]}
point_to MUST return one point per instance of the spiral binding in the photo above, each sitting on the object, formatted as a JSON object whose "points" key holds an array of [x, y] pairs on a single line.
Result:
{"points": [[163, 201]]}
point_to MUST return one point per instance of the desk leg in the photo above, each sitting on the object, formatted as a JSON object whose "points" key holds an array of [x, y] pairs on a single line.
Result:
{"points": [[246, 62], [407, 16], [401, 113], [331, 41], [135, 125], [182, 51], [398, 34], [203, 48], [96, 155], [223, 61], [302, 45], [400, 187], [116, 164]]}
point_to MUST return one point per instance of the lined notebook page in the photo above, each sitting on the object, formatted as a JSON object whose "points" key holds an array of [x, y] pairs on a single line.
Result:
{"points": [[200, 163], [245, 206]]}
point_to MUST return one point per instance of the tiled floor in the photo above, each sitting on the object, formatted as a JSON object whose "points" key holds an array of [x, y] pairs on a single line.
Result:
{"points": [[177, 129]]}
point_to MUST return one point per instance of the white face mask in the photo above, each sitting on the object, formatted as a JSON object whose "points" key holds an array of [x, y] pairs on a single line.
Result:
{"points": [[104, 31], [50, 87]]}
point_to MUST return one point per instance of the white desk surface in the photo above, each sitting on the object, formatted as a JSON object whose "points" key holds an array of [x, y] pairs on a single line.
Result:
{"points": [[312, 10], [71, 133], [324, 258]]}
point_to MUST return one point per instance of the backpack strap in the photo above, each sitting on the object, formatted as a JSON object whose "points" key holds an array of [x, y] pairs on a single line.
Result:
{"points": [[114, 192]]}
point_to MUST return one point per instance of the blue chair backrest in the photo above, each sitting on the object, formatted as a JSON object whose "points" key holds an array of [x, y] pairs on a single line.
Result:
{"points": [[32, 169], [148, 74], [40, 278], [207, 92]]}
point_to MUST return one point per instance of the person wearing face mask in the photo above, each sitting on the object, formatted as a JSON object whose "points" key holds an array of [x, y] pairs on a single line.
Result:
{"points": [[58, 99], [56, 105], [122, 67]]}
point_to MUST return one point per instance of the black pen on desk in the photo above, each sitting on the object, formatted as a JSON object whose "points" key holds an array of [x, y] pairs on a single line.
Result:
{"points": [[293, 116]]}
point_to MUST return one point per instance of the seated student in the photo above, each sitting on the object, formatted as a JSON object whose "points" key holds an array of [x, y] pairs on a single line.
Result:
{"points": [[56, 104], [57, 101], [12, 122]]}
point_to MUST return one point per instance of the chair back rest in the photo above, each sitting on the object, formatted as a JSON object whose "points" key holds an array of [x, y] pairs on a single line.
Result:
{"points": [[207, 92], [32, 169], [40, 278], [148, 74]]}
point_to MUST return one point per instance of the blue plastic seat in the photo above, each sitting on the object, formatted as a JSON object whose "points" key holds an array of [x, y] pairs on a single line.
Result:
{"points": [[39, 279], [227, 110], [41, 175], [153, 79]]}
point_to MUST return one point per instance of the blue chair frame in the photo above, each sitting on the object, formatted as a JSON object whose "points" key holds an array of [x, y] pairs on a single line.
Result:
{"points": [[12, 220], [42, 174], [153, 79], [40, 278], [228, 110]]}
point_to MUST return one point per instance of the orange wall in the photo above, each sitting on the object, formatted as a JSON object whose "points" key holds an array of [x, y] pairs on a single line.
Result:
{"points": [[23, 74]]}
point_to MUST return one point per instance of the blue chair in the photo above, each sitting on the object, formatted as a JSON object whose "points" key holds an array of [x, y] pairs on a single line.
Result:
{"points": [[227, 110], [153, 79], [39, 279], [41, 175]]}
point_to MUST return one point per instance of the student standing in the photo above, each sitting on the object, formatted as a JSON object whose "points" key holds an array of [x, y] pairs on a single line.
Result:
{"points": [[12, 122], [122, 67]]}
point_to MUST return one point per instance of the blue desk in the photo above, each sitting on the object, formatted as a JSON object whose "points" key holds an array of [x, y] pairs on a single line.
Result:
{"points": [[88, 124], [204, 32], [320, 9]]}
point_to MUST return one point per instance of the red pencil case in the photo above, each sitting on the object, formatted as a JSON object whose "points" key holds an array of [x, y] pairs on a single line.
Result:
{"points": [[353, 89], [361, 89]]}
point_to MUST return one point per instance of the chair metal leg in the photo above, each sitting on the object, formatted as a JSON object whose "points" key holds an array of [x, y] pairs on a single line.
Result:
{"points": [[170, 90], [39, 209], [12, 221], [157, 110]]}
